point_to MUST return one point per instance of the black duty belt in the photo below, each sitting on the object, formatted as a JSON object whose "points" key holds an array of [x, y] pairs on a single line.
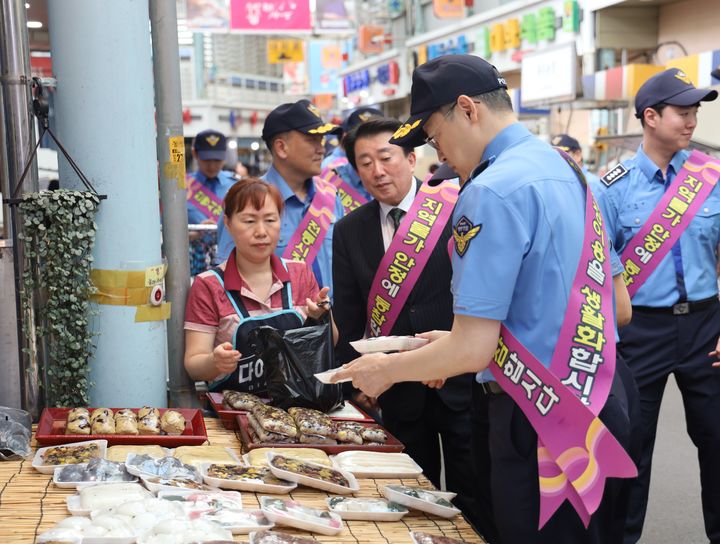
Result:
{"points": [[681, 308], [490, 388]]}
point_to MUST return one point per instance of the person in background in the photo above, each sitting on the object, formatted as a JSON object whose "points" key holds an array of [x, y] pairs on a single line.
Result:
{"points": [[519, 230], [252, 288], [416, 414], [206, 187], [293, 133], [241, 170], [337, 160], [433, 168], [572, 147], [675, 327]]}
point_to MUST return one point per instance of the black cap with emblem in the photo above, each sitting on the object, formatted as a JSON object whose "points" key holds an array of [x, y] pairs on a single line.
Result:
{"points": [[439, 82], [210, 145], [360, 115], [565, 142], [302, 116], [671, 87]]}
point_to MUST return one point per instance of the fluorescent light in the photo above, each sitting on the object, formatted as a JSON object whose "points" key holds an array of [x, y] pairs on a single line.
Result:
{"points": [[27, 5], [254, 146], [232, 144], [34, 24]]}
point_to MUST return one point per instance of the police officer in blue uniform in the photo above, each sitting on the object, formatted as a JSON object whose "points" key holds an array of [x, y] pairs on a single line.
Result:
{"points": [[518, 230], [676, 315], [209, 149], [345, 170], [294, 132]]}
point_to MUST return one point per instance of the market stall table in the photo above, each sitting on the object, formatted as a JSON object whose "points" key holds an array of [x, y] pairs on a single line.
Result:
{"points": [[30, 504]]}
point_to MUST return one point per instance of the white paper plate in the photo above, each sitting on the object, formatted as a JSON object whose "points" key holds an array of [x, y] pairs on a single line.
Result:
{"points": [[38, 464], [388, 343], [286, 518], [362, 515], [422, 505], [74, 485], [324, 377], [409, 468], [348, 411], [245, 485], [354, 487]]}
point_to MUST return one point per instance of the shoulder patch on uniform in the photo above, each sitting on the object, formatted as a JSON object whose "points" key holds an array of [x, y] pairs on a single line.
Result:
{"points": [[463, 233], [613, 175]]}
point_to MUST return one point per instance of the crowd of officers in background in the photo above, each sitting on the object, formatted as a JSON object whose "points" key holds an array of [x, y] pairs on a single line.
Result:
{"points": [[504, 256]]}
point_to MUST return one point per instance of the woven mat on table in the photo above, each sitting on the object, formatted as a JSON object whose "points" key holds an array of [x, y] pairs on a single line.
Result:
{"points": [[30, 504]]}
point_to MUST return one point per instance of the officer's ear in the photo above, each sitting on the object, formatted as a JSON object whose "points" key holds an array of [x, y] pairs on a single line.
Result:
{"points": [[651, 117], [468, 108]]}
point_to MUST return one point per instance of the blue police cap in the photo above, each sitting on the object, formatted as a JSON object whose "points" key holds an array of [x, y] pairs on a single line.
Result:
{"points": [[301, 116], [439, 82], [358, 116], [210, 145], [565, 142], [672, 87]]}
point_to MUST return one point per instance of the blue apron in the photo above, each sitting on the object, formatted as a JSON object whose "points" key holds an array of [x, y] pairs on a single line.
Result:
{"points": [[249, 376]]}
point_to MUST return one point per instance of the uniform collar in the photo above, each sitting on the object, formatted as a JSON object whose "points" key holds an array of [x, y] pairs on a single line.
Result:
{"points": [[504, 139], [199, 176], [234, 282], [274, 177], [652, 171]]}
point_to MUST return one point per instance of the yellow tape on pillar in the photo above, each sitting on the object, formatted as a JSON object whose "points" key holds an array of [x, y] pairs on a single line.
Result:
{"points": [[131, 288]]}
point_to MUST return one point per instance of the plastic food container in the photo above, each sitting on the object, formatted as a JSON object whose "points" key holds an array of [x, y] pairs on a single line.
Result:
{"points": [[313, 481], [294, 514]]}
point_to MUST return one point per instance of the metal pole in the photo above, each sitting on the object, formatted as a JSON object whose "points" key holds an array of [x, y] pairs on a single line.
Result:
{"points": [[105, 116], [171, 162], [16, 100]]}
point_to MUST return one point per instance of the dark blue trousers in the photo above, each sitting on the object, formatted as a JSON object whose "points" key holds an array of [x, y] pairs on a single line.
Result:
{"points": [[512, 444], [654, 345]]}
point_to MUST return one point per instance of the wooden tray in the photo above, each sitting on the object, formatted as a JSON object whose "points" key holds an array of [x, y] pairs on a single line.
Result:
{"points": [[229, 421], [51, 430], [393, 445]]}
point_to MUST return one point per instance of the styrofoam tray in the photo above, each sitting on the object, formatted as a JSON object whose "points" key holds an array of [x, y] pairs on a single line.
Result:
{"points": [[343, 461], [316, 483], [74, 504], [306, 522], [245, 485], [388, 343], [38, 464], [156, 488], [74, 485], [419, 504], [364, 515], [135, 471]]}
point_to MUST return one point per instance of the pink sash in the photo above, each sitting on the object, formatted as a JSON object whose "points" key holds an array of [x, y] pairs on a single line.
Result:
{"points": [[408, 253], [307, 239], [203, 199], [350, 197], [676, 209], [576, 452]]}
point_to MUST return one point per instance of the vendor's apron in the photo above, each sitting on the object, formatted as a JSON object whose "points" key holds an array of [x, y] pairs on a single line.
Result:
{"points": [[249, 376]]}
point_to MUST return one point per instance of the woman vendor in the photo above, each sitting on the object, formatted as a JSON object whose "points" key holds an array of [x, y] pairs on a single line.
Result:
{"points": [[254, 287]]}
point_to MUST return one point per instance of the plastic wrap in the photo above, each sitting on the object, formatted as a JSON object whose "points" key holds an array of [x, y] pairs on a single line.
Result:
{"points": [[15, 433]]}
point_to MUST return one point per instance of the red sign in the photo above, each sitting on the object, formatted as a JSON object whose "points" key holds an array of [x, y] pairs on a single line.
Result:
{"points": [[270, 15]]}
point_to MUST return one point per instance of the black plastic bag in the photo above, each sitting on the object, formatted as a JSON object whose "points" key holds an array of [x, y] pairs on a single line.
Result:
{"points": [[291, 359]]}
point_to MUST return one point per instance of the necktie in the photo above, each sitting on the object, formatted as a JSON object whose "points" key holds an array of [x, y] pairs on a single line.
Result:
{"points": [[396, 215]]}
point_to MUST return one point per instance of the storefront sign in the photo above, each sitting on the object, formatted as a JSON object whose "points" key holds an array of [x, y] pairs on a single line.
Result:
{"points": [[280, 51], [270, 15], [448, 9], [370, 39], [376, 83], [334, 15], [549, 75]]}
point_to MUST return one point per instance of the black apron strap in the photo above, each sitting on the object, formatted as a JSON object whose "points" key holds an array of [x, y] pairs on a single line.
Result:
{"points": [[235, 295]]}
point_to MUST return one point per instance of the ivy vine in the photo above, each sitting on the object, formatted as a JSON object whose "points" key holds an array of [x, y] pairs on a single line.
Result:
{"points": [[58, 234]]}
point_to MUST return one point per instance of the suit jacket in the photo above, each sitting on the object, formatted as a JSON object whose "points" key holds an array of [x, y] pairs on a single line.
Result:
{"points": [[357, 252]]}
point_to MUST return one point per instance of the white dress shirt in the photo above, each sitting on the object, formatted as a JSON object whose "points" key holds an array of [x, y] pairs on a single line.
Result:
{"points": [[386, 223]]}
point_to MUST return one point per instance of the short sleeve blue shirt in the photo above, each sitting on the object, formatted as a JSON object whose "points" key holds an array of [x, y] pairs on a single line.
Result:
{"points": [[346, 171], [626, 205], [293, 213], [220, 186], [518, 267]]}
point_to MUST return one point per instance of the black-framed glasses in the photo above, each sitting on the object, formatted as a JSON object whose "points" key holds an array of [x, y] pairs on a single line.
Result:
{"points": [[430, 140]]}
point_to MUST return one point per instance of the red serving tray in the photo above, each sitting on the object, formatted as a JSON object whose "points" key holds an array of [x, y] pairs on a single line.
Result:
{"points": [[51, 430], [229, 421], [393, 445]]}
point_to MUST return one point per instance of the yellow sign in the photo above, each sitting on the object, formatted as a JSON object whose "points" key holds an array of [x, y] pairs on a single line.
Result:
{"points": [[285, 50], [175, 168], [154, 275], [512, 34]]}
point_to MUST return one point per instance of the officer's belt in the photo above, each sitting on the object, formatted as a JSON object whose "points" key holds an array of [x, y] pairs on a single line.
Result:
{"points": [[681, 308]]}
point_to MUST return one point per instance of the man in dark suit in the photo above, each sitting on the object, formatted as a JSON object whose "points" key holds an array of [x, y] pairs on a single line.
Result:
{"points": [[413, 412]]}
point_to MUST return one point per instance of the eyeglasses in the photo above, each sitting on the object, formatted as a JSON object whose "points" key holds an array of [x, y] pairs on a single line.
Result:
{"points": [[430, 140]]}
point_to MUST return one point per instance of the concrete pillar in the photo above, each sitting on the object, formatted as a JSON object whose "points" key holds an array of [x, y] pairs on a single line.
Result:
{"points": [[104, 109]]}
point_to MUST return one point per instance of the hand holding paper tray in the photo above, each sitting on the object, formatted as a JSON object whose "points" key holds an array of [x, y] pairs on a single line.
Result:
{"points": [[324, 377]]}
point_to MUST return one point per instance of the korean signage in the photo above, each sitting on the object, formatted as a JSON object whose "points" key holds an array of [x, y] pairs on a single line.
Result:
{"points": [[270, 15], [370, 39], [324, 62], [376, 84], [449, 9], [334, 15], [549, 75], [504, 42], [288, 50]]}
